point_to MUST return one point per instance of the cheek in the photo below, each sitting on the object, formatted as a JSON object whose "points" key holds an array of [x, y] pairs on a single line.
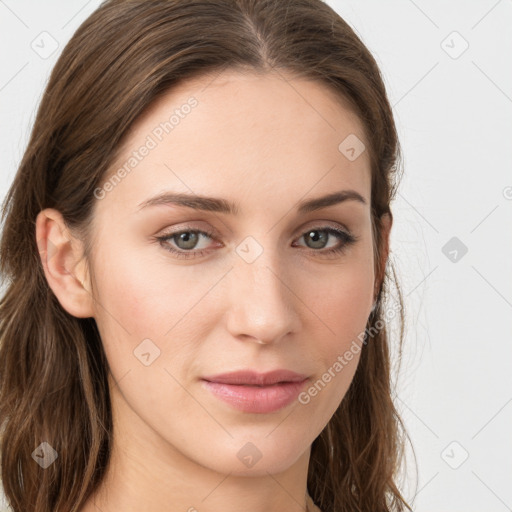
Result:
{"points": [[140, 297], [337, 353], [341, 304], [128, 308], [341, 298], [145, 307]]}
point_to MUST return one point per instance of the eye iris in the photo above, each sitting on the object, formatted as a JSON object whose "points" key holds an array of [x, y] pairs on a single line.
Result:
{"points": [[188, 237], [316, 238]]}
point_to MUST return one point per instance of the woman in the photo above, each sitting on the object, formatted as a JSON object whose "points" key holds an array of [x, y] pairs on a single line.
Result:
{"points": [[195, 248]]}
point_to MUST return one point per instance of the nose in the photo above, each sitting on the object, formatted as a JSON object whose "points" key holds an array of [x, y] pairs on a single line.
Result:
{"points": [[262, 305]]}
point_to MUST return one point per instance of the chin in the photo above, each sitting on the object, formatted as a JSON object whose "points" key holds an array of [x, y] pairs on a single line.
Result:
{"points": [[255, 458]]}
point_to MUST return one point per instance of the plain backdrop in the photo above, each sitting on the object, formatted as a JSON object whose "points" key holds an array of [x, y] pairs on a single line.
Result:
{"points": [[448, 72]]}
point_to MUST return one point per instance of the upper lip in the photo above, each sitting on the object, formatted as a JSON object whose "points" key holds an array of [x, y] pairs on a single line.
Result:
{"points": [[250, 377]]}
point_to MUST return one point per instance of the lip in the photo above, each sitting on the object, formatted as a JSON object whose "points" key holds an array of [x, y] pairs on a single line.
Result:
{"points": [[254, 392], [252, 378]]}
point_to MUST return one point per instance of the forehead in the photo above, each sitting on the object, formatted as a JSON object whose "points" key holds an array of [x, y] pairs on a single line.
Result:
{"points": [[246, 136]]}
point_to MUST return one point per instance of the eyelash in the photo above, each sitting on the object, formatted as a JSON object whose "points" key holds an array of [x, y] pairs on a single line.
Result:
{"points": [[347, 238]]}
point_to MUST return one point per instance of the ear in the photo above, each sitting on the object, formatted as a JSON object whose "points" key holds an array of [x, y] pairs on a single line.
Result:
{"points": [[386, 224], [65, 269]]}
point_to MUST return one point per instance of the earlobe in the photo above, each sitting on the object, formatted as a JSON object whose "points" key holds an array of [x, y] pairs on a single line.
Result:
{"points": [[63, 265]]}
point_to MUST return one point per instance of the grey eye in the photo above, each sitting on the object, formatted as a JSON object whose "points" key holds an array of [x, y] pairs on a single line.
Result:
{"points": [[318, 238], [189, 239]]}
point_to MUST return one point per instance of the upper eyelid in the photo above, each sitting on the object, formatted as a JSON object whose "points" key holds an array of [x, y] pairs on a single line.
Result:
{"points": [[319, 224]]}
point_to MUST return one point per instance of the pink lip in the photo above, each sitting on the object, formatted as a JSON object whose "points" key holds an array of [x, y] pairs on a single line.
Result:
{"points": [[255, 392]]}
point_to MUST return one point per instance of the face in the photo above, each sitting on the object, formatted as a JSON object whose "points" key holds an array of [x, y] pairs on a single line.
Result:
{"points": [[186, 293]]}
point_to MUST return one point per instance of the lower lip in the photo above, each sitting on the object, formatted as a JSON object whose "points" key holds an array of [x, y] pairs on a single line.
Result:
{"points": [[256, 399]]}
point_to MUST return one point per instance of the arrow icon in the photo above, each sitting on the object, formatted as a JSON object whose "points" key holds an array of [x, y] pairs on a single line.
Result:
{"points": [[44, 455], [147, 352]]}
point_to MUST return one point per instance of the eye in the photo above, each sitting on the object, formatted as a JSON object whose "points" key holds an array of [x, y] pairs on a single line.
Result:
{"points": [[187, 239], [319, 236]]}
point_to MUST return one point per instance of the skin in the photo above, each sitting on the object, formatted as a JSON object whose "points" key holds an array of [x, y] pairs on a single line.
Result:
{"points": [[265, 142]]}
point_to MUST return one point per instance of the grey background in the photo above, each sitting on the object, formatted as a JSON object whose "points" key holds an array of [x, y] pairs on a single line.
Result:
{"points": [[454, 114]]}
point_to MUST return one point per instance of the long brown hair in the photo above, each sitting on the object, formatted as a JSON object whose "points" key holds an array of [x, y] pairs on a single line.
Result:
{"points": [[53, 370]]}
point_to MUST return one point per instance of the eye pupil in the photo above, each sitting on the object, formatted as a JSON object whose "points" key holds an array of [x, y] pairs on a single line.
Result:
{"points": [[318, 239], [189, 237]]}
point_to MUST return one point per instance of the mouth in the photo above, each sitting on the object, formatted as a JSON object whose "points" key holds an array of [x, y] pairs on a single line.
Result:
{"points": [[253, 392]]}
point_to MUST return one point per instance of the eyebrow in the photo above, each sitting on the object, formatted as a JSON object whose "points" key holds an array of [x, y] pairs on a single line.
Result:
{"points": [[219, 205]]}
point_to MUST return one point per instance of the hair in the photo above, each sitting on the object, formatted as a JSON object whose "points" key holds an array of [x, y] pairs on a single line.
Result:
{"points": [[53, 369]]}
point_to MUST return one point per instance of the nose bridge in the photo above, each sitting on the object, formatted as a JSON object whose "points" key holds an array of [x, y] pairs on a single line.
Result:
{"points": [[261, 303]]}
